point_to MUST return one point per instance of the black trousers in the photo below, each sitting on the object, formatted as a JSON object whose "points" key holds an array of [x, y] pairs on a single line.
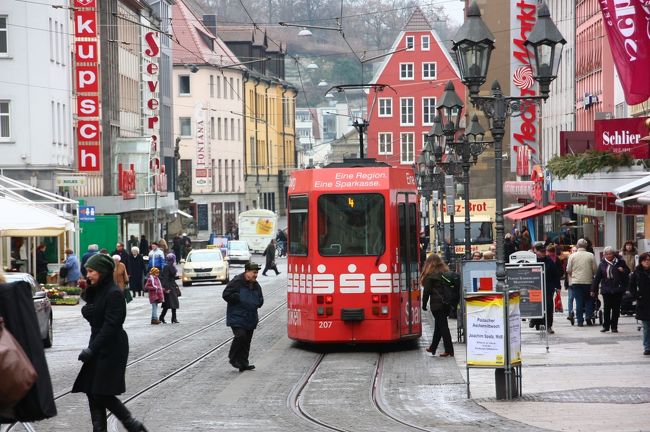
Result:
{"points": [[164, 312], [441, 330], [241, 346], [100, 403], [271, 266], [612, 310]]}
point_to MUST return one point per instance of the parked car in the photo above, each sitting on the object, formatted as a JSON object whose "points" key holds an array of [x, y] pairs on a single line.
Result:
{"points": [[238, 252], [203, 265], [42, 305]]}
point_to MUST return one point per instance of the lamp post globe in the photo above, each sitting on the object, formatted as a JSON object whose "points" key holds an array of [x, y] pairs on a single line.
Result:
{"points": [[450, 110], [473, 44]]}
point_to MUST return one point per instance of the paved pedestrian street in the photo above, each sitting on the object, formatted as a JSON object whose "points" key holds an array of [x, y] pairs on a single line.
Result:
{"points": [[179, 379]]}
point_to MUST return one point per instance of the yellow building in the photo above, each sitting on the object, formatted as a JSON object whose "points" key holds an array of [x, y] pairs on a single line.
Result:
{"points": [[269, 116]]}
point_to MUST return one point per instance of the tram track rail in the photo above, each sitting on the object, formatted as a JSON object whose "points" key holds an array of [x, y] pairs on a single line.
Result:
{"points": [[296, 396], [30, 427]]}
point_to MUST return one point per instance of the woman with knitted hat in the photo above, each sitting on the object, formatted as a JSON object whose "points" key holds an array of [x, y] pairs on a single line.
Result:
{"points": [[104, 360], [155, 289]]}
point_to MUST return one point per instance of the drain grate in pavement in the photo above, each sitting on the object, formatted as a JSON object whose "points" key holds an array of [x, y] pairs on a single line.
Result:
{"points": [[617, 395]]}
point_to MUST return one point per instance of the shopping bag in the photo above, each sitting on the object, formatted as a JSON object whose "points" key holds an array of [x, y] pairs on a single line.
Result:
{"points": [[558, 302], [18, 373], [127, 295]]}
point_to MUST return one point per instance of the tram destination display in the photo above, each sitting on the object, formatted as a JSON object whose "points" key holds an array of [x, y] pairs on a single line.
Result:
{"points": [[528, 279]]}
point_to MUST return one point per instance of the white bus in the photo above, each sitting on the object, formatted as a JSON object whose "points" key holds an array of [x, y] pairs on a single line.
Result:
{"points": [[257, 227]]}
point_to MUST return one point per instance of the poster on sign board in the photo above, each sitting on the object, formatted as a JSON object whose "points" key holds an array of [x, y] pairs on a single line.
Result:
{"points": [[485, 329], [479, 276]]}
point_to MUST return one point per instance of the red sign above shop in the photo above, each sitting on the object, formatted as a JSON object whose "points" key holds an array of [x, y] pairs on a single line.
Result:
{"points": [[622, 135]]}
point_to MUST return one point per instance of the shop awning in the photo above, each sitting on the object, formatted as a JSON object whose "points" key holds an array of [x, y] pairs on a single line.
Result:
{"points": [[633, 186], [537, 211], [525, 208], [19, 219]]}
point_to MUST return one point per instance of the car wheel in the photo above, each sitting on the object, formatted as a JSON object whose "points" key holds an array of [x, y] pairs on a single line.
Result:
{"points": [[226, 280], [186, 284], [47, 342]]}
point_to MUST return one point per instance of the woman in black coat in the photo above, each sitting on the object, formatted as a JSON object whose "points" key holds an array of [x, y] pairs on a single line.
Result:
{"points": [[612, 278], [168, 282], [640, 289], [137, 268], [104, 360], [269, 253], [431, 280]]}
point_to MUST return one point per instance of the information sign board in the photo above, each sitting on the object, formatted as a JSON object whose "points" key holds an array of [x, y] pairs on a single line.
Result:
{"points": [[86, 213], [529, 280]]}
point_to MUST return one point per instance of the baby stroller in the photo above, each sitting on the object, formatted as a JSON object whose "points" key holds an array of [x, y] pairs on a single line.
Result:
{"points": [[597, 314], [627, 304]]}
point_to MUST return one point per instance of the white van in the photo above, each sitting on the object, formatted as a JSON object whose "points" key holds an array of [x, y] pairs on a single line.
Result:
{"points": [[257, 227]]}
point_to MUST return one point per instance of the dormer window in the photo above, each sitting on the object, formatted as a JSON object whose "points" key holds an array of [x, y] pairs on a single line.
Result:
{"points": [[410, 43]]}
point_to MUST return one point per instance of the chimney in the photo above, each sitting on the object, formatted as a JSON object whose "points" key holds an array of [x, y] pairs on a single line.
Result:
{"points": [[210, 22]]}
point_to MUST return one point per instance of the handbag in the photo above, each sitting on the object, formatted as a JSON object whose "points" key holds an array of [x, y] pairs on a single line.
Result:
{"points": [[178, 290], [127, 294], [18, 373], [558, 302]]}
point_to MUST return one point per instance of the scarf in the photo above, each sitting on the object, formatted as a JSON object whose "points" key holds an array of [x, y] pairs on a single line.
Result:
{"points": [[611, 267]]}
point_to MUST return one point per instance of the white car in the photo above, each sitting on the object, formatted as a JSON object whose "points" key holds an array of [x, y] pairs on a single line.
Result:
{"points": [[204, 265], [238, 252]]}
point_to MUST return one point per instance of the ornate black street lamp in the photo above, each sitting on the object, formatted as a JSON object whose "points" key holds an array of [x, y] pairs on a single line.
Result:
{"points": [[473, 45]]}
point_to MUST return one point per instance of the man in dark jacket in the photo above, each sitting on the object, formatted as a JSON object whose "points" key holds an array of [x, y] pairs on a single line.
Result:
{"points": [[552, 279], [124, 255], [92, 250], [41, 264], [269, 253], [244, 296]]}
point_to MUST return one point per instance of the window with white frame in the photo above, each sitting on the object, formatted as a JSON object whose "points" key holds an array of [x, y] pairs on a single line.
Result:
{"points": [[407, 117], [5, 132], [185, 126], [184, 85], [407, 148], [385, 107], [425, 43], [429, 71], [385, 143], [4, 36], [410, 43], [428, 110], [406, 71]]}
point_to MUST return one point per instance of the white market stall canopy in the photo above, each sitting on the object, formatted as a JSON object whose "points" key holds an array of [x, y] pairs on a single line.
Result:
{"points": [[19, 219]]}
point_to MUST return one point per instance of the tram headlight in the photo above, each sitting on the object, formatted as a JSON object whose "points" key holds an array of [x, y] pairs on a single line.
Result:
{"points": [[375, 299], [384, 310]]}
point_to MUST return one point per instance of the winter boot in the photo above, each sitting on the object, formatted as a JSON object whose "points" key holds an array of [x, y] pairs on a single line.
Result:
{"points": [[98, 418], [122, 413]]}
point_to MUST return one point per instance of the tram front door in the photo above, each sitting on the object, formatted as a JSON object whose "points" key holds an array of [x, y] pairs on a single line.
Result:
{"points": [[410, 322]]}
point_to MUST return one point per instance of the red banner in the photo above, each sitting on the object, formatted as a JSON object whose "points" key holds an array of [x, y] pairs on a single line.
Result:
{"points": [[626, 23]]}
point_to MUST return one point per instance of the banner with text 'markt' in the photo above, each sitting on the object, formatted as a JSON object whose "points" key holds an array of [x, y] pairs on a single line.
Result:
{"points": [[628, 31]]}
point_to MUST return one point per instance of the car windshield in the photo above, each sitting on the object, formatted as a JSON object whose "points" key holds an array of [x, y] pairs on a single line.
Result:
{"points": [[204, 256], [238, 246]]}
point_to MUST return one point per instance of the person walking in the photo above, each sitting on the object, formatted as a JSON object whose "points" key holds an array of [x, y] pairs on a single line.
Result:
{"points": [[72, 264], [101, 376], [120, 275], [581, 268], [162, 244], [136, 271], [244, 296], [176, 247], [281, 239], [568, 285], [124, 255], [612, 278], [551, 252], [509, 247], [640, 288], [144, 245], [156, 257], [552, 282], [432, 296], [133, 241], [156, 294], [168, 282], [41, 264], [628, 253], [269, 253]]}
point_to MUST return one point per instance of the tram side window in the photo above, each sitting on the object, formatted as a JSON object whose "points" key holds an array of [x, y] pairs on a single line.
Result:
{"points": [[298, 225], [351, 224]]}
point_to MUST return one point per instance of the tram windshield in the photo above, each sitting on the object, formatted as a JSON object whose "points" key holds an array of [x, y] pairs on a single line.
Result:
{"points": [[351, 224]]}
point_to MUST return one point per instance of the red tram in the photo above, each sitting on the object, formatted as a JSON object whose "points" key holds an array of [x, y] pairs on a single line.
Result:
{"points": [[353, 254]]}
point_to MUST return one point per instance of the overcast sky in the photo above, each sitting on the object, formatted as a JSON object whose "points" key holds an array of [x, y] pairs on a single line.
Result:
{"points": [[454, 9]]}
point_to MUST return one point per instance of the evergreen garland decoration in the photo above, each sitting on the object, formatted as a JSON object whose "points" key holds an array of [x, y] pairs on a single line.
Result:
{"points": [[588, 162]]}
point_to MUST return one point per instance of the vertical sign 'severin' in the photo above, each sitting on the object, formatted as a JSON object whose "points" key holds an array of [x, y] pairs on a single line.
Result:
{"points": [[525, 128], [86, 84], [151, 108]]}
